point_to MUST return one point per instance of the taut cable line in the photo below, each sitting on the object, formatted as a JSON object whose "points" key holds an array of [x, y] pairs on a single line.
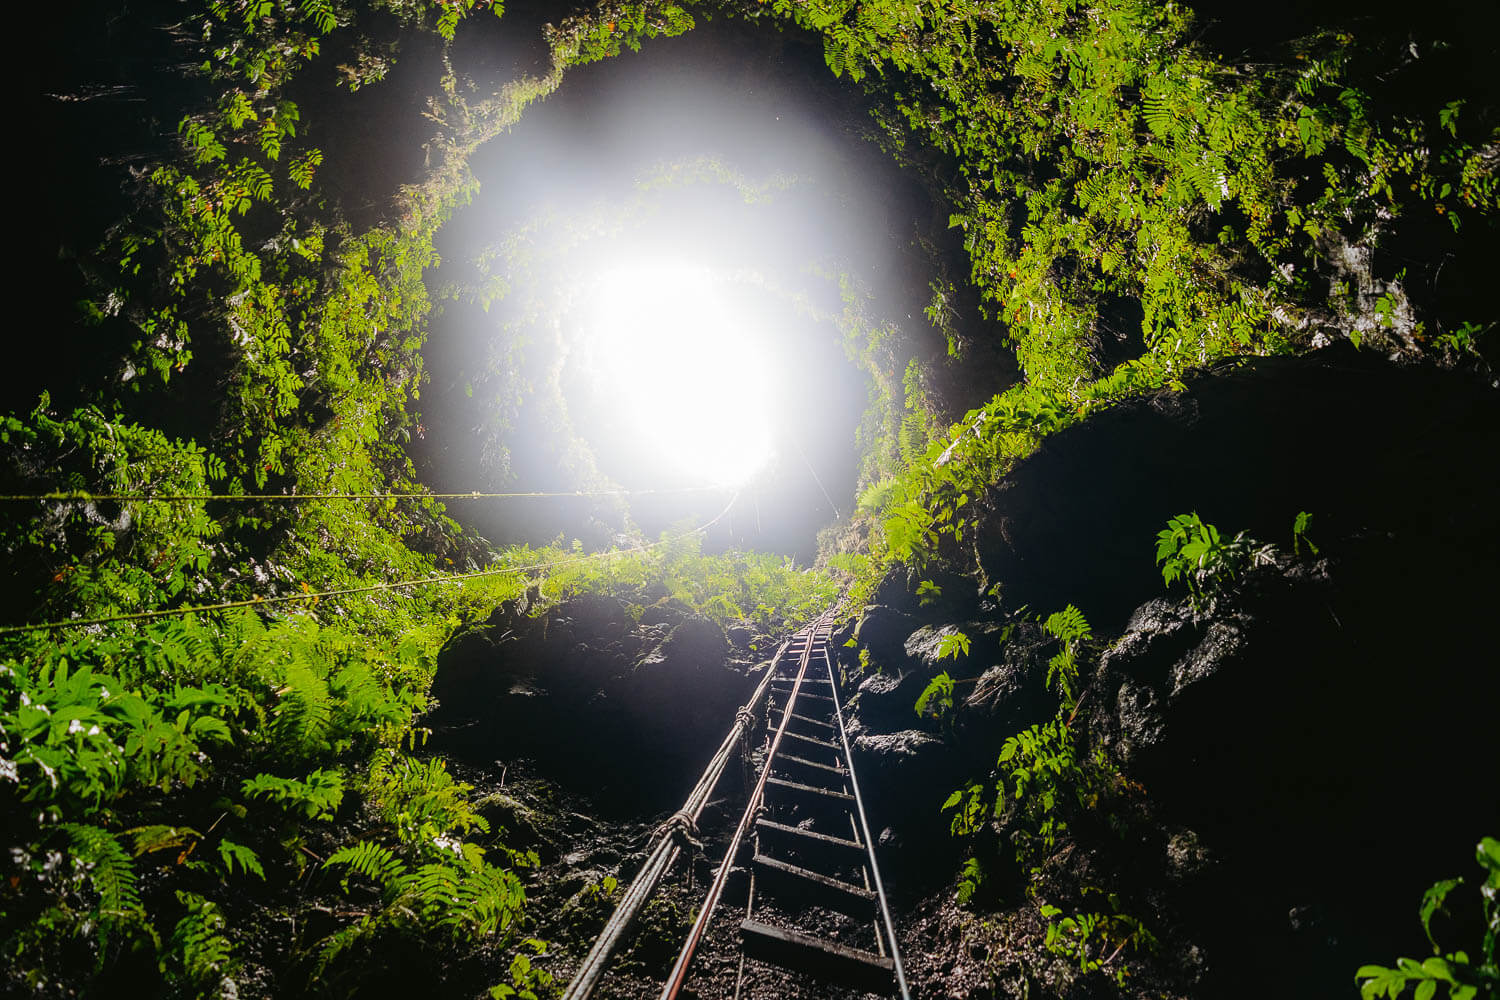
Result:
{"points": [[317, 595], [86, 497]]}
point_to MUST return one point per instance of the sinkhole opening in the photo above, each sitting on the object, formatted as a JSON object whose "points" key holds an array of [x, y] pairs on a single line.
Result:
{"points": [[678, 377]]}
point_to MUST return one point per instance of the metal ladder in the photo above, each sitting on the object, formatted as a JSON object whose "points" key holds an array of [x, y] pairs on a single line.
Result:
{"points": [[809, 841]]}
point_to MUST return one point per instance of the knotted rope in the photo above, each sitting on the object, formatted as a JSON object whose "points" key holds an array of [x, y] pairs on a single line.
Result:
{"points": [[683, 830]]}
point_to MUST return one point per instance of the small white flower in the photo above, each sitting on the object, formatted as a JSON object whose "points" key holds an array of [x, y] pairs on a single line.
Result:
{"points": [[75, 726], [93, 730]]}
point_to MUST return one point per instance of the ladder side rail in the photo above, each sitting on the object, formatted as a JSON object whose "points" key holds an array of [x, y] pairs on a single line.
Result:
{"points": [[864, 826]]}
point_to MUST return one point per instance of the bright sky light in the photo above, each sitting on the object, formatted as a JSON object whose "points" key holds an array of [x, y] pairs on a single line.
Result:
{"points": [[687, 376]]}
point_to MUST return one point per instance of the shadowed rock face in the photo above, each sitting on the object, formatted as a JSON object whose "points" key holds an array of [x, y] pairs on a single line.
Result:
{"points": [[1365, 446], [1313, 749], [623, 712]]}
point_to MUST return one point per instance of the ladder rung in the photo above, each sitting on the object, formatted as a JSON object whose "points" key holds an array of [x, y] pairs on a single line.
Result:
{"points": [[809, 840], [815, 887], [812, 765], [819, 698], [799, 788], [813, 740], [809, 720], [826, 960]]}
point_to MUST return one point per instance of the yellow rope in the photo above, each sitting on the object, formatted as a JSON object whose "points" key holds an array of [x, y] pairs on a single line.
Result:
{"points": [[315, 595], [81, 495]]}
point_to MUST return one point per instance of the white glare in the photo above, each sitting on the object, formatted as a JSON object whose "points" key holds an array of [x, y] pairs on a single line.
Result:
{"points": [[685, 375]]}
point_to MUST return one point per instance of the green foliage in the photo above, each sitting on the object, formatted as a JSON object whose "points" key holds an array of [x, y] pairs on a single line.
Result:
{"points": [[936, 698], [231, 854], [1093, 939], [110, 874], [528, 981], [1100, 156], [1299, 534], [316, 797], [1070, 628], [953, 646], [1460, 977], [767, 590], [462, 896], [199, 956], [1097, 155], [1190, 550], [421, 801], [1039, 777], [970, 879], [928, 593]]}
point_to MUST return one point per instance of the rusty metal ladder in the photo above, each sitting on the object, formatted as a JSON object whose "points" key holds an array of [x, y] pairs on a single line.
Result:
{"points": [[809, 842]]}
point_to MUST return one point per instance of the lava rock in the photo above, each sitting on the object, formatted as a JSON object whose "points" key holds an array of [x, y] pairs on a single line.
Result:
{"points": [[1010, 695], [883, 631], [625, 713]]}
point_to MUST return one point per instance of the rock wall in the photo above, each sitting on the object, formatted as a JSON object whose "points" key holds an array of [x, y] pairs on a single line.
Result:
{"points": [[624, 710], [1307, 753]]}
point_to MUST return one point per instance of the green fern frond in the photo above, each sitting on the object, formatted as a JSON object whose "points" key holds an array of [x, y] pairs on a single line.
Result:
{"points": [[1068, 625], [159, 837], [1159, 117], [249, 861], [341, 940], [318, 797], [489, 900], [373, 861], [109, 868], [301, 719], [199, 952]]}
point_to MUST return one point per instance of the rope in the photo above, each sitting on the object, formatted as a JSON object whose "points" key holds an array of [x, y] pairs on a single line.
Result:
{"points": [[816, 479], [316, 595], [682, 828], [86, 497]]}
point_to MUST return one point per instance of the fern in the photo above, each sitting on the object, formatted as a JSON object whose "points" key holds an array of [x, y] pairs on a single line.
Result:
{"points": [[110, 873], [953, 646], [969, 881], [199, 954], [1070, 627], [487, 900], [1159, 117], [304, 712], [421, 799], [231, 853], [316, 798], [936, 696], [159, 837], [373, 861]]}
